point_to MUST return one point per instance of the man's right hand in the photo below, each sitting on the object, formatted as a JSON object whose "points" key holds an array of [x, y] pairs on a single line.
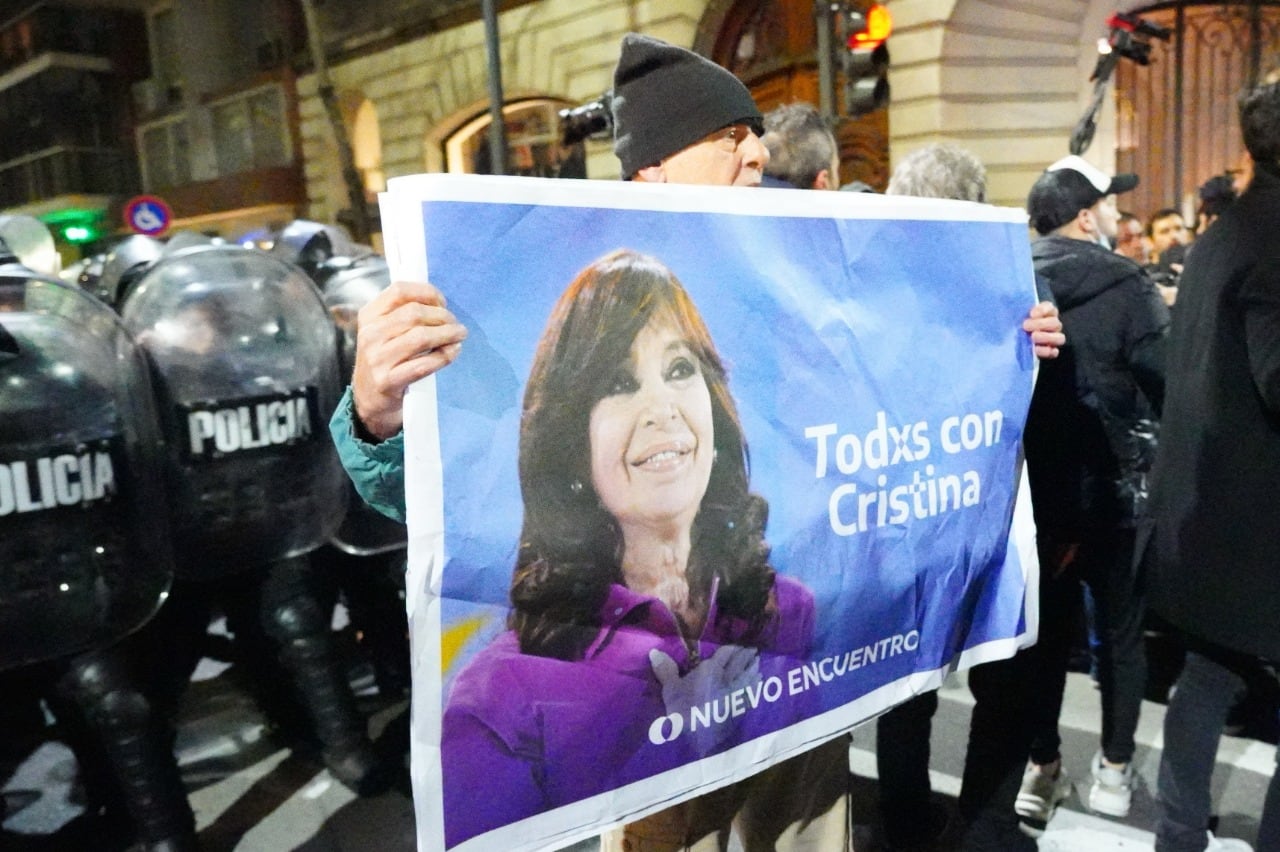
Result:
{"points": [[402, 335]]}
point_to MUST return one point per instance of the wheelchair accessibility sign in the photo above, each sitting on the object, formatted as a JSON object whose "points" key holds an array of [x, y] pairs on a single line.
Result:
{"points": [[147, 214]]}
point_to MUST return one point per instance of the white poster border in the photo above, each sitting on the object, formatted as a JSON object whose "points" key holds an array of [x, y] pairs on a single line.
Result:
{"points": [[401, 207]]}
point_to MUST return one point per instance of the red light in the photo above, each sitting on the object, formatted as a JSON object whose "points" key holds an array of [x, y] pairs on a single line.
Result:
{"points": [[1120, 22], [879, 26]]}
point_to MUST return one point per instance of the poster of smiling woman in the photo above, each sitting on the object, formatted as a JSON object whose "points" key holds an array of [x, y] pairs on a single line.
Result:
{"points": [[718, 474]]}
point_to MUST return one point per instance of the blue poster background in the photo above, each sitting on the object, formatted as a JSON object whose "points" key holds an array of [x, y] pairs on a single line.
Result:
{"points": [[860, 325]]}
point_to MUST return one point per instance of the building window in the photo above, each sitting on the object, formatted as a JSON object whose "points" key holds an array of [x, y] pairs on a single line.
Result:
{"points": [[533, 143], [250, 130], [165, 62], [164, 148]]}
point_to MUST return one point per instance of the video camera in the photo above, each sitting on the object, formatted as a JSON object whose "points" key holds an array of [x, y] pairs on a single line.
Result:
{"points": [[1131, 36], [594, 118]]}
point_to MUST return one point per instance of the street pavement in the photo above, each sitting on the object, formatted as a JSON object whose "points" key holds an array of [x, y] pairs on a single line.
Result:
{"points": [[251, 794]]}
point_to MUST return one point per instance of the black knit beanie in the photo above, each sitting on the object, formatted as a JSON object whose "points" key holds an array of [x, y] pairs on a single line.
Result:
{"points": [[665, 98]]}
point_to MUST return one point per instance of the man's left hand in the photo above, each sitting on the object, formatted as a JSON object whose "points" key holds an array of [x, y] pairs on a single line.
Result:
{"points": [[1045, 327]]}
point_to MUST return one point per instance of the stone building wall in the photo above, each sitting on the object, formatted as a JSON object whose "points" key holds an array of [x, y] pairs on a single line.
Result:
{"points": [[1004, 78], [425, 89]]}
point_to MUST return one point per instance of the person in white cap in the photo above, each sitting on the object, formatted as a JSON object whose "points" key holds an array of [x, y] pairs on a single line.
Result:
{"points": [[1089, 443]]}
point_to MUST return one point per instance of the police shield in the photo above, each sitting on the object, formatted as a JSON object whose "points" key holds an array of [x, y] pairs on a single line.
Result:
{"points": [[246, 370], [347, 285], [85, 557]]}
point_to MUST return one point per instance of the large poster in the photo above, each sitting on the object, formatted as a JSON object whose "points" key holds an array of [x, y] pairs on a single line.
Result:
{"points": [[718, 474]]}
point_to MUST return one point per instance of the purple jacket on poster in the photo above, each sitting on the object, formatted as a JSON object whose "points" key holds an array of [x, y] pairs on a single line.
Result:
{"points": [[523, 734]]}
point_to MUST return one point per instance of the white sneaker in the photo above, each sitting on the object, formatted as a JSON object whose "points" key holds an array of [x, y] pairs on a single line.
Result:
{"points": [[1226, 844], [1040, 795], [1112, 789]]}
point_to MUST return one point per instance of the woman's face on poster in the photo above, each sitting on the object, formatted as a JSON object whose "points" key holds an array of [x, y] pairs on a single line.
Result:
{"points": [[652, 439]]}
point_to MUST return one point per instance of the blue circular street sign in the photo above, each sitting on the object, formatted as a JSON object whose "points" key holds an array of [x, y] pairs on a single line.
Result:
{"points": [[147, 214]]}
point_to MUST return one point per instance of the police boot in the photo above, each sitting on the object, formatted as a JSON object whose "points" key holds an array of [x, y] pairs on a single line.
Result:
{"points": [[294, 619], [137, 745]]}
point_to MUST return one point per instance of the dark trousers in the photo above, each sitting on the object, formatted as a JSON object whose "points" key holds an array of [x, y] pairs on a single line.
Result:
{"points": [[1105, 563], [999, 736], [902, 764], [1211, 681], [1017, 701]]}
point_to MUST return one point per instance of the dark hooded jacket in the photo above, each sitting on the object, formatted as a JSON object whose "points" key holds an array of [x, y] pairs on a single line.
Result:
{"points": [[1091, 430]]}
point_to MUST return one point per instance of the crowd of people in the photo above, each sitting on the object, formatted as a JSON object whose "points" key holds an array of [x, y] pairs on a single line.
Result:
{"points": [[1153, 435]]}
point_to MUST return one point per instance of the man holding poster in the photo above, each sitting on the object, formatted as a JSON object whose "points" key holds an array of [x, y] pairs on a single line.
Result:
{"points": [[856, 496]]}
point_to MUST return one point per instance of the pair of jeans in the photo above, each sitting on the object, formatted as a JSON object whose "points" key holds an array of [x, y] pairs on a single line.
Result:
{"points": [[1104, 561], [1212, 680]]}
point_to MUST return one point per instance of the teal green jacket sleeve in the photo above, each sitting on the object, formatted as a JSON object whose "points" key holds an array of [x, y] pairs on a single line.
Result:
{"points": [[376, 469]]}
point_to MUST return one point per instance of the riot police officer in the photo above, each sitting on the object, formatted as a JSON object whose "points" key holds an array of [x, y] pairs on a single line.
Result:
{"points": [[83, 563], [245, 363]]}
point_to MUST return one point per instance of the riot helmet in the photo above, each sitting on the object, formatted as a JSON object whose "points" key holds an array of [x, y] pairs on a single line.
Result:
{"points": [[308, 244], [124, 263], [29, 240], [246, 371]]}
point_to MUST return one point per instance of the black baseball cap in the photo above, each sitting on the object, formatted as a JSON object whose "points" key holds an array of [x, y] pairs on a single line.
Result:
{"points": [[1068, 186]]}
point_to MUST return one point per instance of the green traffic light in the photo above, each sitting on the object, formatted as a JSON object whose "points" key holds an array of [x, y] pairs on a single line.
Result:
{"points": [[78, 234]]}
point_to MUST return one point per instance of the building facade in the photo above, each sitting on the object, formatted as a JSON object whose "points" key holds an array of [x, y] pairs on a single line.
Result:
{"points": [[67, 150], [1006, 80], [220, 107]]}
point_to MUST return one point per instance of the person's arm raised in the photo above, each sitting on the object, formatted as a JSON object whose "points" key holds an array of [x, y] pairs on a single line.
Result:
{"points": [[404, 334]]}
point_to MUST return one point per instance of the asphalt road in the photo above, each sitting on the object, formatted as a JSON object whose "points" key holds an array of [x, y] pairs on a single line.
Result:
{"points": [[252, 794]]}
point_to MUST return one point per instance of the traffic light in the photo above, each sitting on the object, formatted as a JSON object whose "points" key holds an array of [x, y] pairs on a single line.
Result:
{"points": [[866, 58]]}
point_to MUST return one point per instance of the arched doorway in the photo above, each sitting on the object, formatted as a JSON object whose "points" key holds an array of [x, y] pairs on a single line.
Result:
{"points": [[534, 147], [771, 45], [1176, 118]]}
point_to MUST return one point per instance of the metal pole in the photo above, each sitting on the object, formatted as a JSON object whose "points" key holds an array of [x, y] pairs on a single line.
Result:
{"points": [[360, 218], [497, 126], [1179, 78], [1255, 43], [822, 10]]}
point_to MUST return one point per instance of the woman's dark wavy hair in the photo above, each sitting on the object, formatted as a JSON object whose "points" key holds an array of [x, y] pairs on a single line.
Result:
{"points": [[570, 546]]}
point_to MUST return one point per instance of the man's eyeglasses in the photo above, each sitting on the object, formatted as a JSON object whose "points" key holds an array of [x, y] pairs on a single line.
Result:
{"points": [[729, 138]]}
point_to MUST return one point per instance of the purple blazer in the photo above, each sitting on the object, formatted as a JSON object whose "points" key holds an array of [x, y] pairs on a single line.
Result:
{"points": [[523, 734]]}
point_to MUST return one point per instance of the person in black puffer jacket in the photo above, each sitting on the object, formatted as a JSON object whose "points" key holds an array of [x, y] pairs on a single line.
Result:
{"points": [[1089, 443]]}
